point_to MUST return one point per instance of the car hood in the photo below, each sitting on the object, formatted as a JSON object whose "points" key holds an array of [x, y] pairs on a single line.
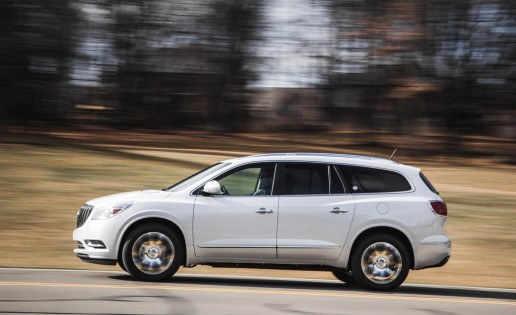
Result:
{"points": [[128, 197]]}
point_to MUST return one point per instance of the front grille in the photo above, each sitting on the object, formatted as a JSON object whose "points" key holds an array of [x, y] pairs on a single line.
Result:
{"points": [[83, 214]]}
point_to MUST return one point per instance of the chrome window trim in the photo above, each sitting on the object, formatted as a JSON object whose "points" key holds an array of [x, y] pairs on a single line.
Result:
{"points": [[334, 164]]}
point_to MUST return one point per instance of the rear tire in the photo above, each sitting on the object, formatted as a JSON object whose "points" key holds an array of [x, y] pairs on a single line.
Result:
{"points": [[152, 252], [380, 262]]}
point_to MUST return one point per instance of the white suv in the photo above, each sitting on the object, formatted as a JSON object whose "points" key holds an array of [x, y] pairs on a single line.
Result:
{"points": [[367, 220]]}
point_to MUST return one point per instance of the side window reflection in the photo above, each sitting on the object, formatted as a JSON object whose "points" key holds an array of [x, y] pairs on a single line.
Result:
{"points": [[306, 179], [254, 180], [265, 181], [370, 180]]}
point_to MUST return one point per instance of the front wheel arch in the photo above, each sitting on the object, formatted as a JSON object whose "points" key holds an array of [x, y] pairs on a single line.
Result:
{"points": [[141, 222], [152, 252]]}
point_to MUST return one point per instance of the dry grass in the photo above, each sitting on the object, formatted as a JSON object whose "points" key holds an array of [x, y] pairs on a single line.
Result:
{"points": [[46, 179]]}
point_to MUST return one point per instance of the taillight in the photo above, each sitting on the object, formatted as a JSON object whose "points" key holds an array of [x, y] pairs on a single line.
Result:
{"points": [[439, 207]]}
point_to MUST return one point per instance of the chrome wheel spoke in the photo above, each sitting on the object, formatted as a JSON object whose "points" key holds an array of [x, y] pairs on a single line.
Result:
{"points": [[381, 262], [153, 253]]}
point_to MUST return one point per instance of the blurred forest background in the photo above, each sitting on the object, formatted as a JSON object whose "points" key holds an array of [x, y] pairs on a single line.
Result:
{"points": [[402, 67], [103, 96]]}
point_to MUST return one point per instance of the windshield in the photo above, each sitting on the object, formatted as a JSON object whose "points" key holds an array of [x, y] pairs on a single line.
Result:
{"points": [[197, 176]]}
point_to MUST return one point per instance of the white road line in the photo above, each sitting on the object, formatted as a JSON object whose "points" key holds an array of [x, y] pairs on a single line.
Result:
{"points": [[229, 277], [255, 291]]}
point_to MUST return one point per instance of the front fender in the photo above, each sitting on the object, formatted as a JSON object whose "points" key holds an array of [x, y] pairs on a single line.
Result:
{"points": [[148, 215]]}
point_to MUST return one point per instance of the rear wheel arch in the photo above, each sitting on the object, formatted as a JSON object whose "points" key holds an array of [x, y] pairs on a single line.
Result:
{"points": [[383, 230], [165, 222]]}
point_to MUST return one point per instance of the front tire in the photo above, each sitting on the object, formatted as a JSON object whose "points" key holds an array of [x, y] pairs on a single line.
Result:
{"points": [[380, 262], [121, 264], [152, 252], [344, 276]]}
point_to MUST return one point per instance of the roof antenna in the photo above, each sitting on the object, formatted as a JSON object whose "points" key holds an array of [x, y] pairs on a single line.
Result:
{"points": [[392, 155]]}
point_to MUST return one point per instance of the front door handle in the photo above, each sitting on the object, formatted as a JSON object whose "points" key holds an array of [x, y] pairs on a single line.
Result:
{"points": [[263, 211], [338, 210]]}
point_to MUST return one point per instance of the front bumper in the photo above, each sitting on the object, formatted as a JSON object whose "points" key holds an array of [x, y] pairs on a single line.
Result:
{"points": [[86, 258], [97, 231]]}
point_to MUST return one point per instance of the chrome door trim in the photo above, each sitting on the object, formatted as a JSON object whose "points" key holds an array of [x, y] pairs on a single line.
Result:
{"points": [[236, 246]]}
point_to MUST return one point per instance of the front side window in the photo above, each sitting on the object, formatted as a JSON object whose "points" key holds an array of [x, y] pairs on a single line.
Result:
{"points": [[252, 180], [306, 179], [372, 180]]}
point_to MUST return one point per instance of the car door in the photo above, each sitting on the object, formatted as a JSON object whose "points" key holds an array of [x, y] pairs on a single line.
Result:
{"points": [[242, 223], [315, 213]]}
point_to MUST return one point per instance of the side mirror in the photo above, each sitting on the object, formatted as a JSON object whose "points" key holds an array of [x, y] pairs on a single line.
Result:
{"points": [[212, 188]]}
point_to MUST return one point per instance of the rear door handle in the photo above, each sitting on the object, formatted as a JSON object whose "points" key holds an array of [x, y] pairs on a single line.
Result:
{"points": [[263, 211], [338, 210]]}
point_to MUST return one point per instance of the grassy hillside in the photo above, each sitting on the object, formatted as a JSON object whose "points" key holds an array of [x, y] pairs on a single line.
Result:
{"points": [[46, 178]]}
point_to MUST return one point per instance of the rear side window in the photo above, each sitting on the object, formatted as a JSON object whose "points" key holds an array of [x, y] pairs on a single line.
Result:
{"points": [[427, 182], [371, 180], [306, 179]]}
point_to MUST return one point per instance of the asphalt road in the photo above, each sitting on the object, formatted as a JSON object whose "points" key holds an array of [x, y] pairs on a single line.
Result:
{"points": [[36, 291]]}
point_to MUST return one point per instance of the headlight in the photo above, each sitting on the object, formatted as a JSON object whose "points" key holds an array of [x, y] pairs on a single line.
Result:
{"points": [[106, 212]]}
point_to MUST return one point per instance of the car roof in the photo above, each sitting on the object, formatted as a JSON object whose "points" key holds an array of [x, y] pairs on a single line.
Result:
{"points": [[320, 157]]}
